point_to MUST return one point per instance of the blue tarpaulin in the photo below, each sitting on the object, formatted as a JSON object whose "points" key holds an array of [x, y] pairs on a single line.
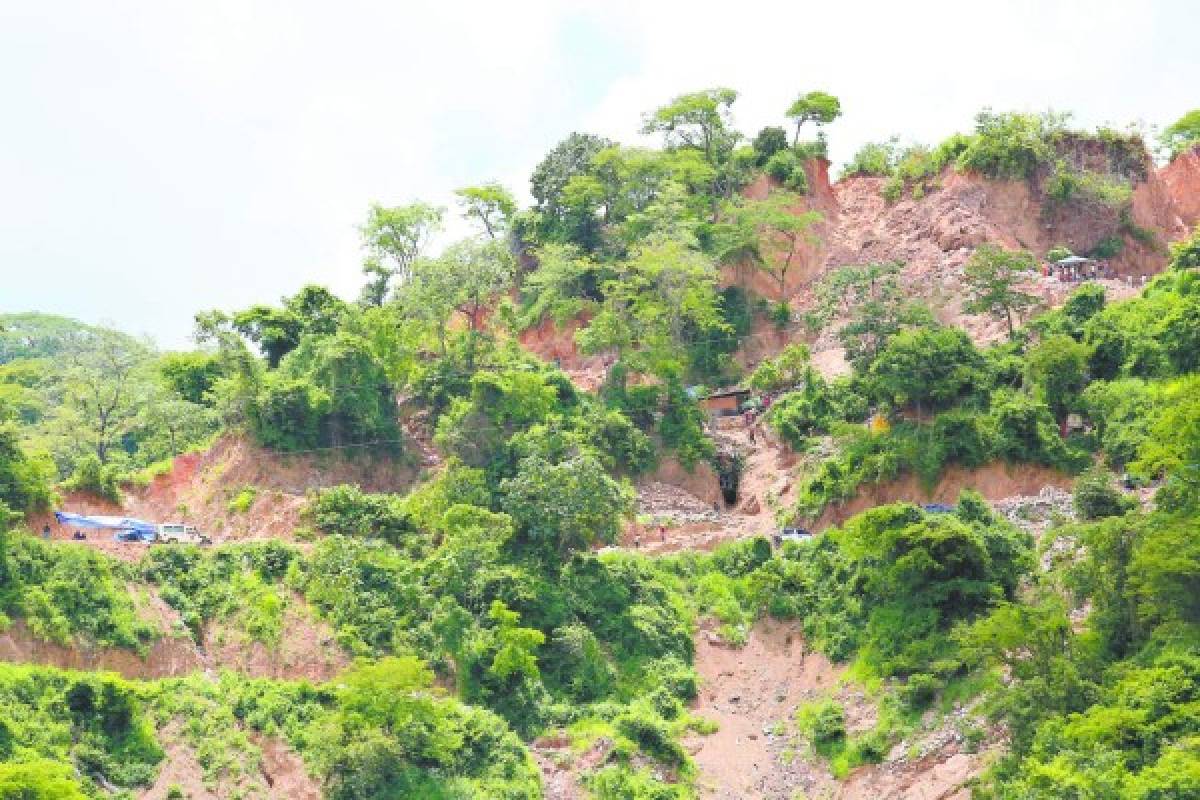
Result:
{"points": [[111, 523]]}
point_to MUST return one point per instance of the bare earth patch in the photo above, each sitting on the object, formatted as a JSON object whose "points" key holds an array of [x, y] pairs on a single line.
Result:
{"points": [[747, 691], [752, 693], [274, 772]]}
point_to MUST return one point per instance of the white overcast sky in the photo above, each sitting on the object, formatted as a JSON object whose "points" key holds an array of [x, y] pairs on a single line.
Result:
{"points": [[162, 157]]}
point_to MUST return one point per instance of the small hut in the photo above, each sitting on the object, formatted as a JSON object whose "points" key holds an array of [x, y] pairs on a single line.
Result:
{"points": [[726, 402]]}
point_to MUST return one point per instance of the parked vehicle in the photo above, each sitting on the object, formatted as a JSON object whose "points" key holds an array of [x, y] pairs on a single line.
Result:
{"points": [[128, 529], [792, 535], [135, 535], [178, 533]]}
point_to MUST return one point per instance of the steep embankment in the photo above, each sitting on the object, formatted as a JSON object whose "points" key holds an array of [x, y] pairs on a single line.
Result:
{"points": [[307, 648], [1181, 179], [753, 692], [934, 231], [199, 489], [996, 482], [809, 260]]}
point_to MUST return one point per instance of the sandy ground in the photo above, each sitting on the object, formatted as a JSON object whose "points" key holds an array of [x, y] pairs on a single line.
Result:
{"points": [[275, 772], [748, 691], [752, 693]]}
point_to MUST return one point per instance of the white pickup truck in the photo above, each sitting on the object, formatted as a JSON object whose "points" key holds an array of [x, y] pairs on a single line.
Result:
{"points": [[178, 533]]}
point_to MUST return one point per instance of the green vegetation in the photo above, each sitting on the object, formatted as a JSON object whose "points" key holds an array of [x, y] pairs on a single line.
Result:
{"points": [[991, 276], [1069, 167], [483, 609], [93, 406], [1182, 135], [68, 593]]}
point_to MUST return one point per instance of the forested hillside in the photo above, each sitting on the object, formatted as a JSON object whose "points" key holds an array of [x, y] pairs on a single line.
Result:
{"points": [[480, 531]]}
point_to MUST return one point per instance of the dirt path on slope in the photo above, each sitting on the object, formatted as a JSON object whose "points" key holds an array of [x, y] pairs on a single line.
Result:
{"points": [[748, 692], [680, 520]]}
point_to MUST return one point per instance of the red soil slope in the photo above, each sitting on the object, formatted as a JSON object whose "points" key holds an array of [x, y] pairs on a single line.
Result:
{"points": [[1182, 181], [199, 486]]}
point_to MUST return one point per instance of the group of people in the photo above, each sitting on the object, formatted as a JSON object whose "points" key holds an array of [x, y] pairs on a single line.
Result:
{"points": [[1077, 273], [78, 536]]}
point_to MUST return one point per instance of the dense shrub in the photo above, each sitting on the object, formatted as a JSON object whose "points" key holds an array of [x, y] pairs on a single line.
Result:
{"points": [[1096, 497], [67, 590], [894, 579], [349, 511], [787, 168], [102, 480]]}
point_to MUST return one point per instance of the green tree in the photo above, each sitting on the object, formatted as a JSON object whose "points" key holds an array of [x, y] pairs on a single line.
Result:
{"points": [[630, 179], [927, 367], [565, 282], [275, 330], [874, 158], [1185, 254], [1183, 134], [1096, 497], [991, 276], [769, 141], [24, 481], [568, 159], [105, 387], [875, 308], [166, 424], [1173, 447], [39, 779], [787, 369], [1057, 367], [340, 391], [190, 375], [278, 330], [397, 694], [655, 299], [567, 506], [816, 107], [467, 277], [770, 233], [490, 204], [516, 654], [700, 121], [393, 239]]}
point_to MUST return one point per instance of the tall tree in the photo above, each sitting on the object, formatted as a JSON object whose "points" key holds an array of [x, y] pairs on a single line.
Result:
{"points": [[277, 330], [768, 232], [466, 278], [657, 296], [700, 121], [104, 386], [1057, 368], [394, 239], [570, 157], [873, 306], [490, 204], [928, 367], [817, 107], [992, 275]]}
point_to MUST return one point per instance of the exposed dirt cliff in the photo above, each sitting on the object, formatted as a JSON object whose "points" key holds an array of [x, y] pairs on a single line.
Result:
{"points": [[809, 260], [198, 488], [1181, 179]]}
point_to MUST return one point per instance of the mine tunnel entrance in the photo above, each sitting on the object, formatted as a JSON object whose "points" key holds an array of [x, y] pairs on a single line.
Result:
{"points": [[729, 475]]}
